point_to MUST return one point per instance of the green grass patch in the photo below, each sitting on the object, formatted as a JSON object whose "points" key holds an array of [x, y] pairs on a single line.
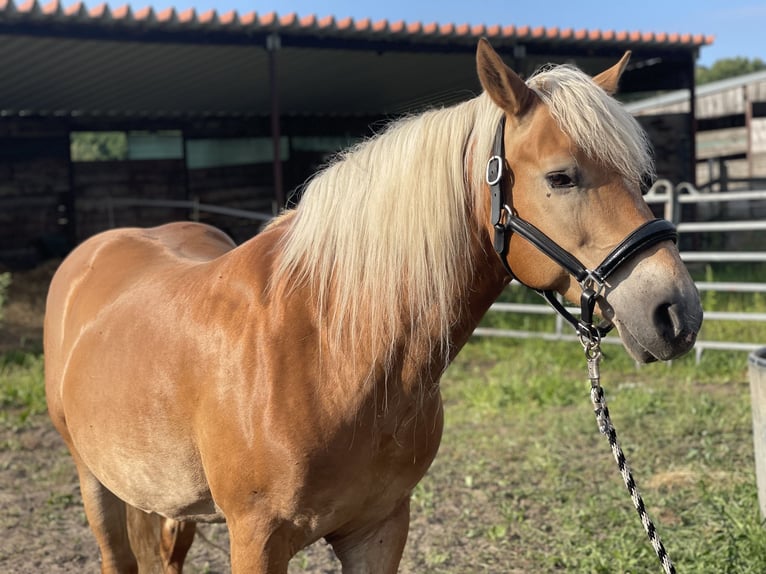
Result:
{"points": [[537, 486], [5, 282], [22, 387]]}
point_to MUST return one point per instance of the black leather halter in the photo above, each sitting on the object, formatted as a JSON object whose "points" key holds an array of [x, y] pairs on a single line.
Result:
{"points": [[505, 222]]}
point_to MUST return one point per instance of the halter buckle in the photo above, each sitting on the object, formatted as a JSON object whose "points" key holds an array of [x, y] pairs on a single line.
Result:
{"points": [[494, 170]]}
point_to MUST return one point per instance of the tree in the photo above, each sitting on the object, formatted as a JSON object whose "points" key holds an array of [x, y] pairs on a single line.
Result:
{"points": [[99, 146], [728, 68]]}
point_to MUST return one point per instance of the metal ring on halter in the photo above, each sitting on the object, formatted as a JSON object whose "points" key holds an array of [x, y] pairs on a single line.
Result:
{"points": [[503, 223], [590, 339], [592, 281]]}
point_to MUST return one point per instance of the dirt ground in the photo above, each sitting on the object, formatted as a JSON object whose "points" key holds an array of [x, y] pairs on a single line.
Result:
{"points": [[42, 522]]}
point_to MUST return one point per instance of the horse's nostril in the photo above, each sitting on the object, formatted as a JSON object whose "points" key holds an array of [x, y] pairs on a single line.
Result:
{"points": [[669, 319]]}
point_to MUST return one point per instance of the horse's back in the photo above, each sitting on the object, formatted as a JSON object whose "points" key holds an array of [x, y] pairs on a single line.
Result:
{"points": [[191, 241], [111, 262], [183, 240]]}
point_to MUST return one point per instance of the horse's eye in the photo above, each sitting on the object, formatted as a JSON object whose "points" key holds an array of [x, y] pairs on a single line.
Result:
{"points": [[561, 179]]}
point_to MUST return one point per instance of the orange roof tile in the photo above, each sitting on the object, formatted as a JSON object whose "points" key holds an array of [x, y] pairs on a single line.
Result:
{"points": [[233, 21]]}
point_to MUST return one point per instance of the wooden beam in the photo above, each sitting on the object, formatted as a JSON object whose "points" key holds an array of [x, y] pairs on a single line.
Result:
{"points": [[273, 43]]}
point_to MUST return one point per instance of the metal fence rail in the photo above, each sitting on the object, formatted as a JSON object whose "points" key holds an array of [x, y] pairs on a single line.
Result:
{"points": [[193, 205], [664, 192]]}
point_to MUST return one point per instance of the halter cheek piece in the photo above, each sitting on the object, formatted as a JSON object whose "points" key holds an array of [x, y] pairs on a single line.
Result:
{"points": [[505, 222]]}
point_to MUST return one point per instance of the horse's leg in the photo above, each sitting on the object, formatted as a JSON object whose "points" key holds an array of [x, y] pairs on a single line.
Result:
{"points": [[175, 540], [107, 518], [160, 544], [144, 536], [257, 547], [375, 550]]}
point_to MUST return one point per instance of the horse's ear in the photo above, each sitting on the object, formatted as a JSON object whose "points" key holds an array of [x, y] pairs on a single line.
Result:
{"points": [[609, 79], [502, 84]]}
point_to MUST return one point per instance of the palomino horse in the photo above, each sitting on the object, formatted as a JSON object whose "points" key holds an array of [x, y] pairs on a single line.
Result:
{"points": [[290, 386]]}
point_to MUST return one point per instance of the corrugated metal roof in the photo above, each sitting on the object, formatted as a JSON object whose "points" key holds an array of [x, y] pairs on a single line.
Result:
{"points": [[126, 62]]}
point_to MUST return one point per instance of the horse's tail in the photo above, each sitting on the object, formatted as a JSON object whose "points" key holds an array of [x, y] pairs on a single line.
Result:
{"points": [[159, 544]]}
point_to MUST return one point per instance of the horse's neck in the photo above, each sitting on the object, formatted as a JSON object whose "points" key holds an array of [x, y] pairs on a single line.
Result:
{"points": [[488, 280], [418, 354], [424, 357]]}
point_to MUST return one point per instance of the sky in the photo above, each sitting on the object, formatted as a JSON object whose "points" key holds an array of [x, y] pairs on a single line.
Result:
{"points": [[739, 26]]}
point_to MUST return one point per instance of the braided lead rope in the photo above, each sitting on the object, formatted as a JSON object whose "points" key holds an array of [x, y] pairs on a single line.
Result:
{"points": [[605, 426]]}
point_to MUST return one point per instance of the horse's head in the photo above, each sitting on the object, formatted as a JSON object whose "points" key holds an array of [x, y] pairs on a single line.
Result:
{"points": [[577, 161]]}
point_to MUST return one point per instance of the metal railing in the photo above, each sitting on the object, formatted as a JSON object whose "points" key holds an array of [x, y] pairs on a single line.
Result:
{"points": [[194, 206], [673, 197]]}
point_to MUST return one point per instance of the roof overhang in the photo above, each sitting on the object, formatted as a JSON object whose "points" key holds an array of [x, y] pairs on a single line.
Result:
{"points": [[77, 63]]}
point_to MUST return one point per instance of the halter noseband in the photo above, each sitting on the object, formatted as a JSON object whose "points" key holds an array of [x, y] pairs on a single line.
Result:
{"points": [[505, 222]]}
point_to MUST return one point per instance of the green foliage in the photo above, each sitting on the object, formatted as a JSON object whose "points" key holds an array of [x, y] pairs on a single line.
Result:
{"points": [[5, 282], [709, 298], [728, 68], [22, 387], [99, 146], [745, 272]]}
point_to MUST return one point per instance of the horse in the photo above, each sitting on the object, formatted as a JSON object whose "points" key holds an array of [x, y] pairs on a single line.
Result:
{"points": [[289, 386]]}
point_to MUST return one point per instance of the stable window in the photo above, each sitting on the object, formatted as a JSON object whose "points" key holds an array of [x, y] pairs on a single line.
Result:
{"points": [[218, 152], [327, 144], [155, 145]]}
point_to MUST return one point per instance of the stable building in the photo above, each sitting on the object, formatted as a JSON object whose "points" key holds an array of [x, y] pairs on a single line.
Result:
{"points": [[123, 117], [730, 128]]}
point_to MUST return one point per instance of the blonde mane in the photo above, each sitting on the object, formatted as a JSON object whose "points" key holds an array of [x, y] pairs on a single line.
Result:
{"points": [[383, 235], [597, 123]]}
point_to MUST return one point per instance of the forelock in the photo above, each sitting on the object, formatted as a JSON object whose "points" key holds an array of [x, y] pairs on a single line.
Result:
{"points": [[596, 122]]}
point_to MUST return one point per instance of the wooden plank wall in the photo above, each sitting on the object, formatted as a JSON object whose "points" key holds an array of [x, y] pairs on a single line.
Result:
{"points": [[34, 179], [35, 182], [669, 134]]}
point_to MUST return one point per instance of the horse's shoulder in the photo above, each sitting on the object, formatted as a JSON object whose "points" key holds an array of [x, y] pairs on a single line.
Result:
{"points": [[123, 255]]}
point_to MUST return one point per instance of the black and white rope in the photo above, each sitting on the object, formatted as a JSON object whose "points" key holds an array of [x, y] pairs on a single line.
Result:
{"points": [[605, 426]]}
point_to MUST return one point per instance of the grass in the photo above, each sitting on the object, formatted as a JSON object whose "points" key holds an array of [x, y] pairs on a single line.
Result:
{"points": [[561, 504], [5, 282], [22, 387]]}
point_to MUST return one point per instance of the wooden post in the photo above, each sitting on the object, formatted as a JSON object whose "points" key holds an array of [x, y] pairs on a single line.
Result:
{"points": [[273, 44], [749, 135], [757, 373], [673, 205], [70, 198], [693, 121]]}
